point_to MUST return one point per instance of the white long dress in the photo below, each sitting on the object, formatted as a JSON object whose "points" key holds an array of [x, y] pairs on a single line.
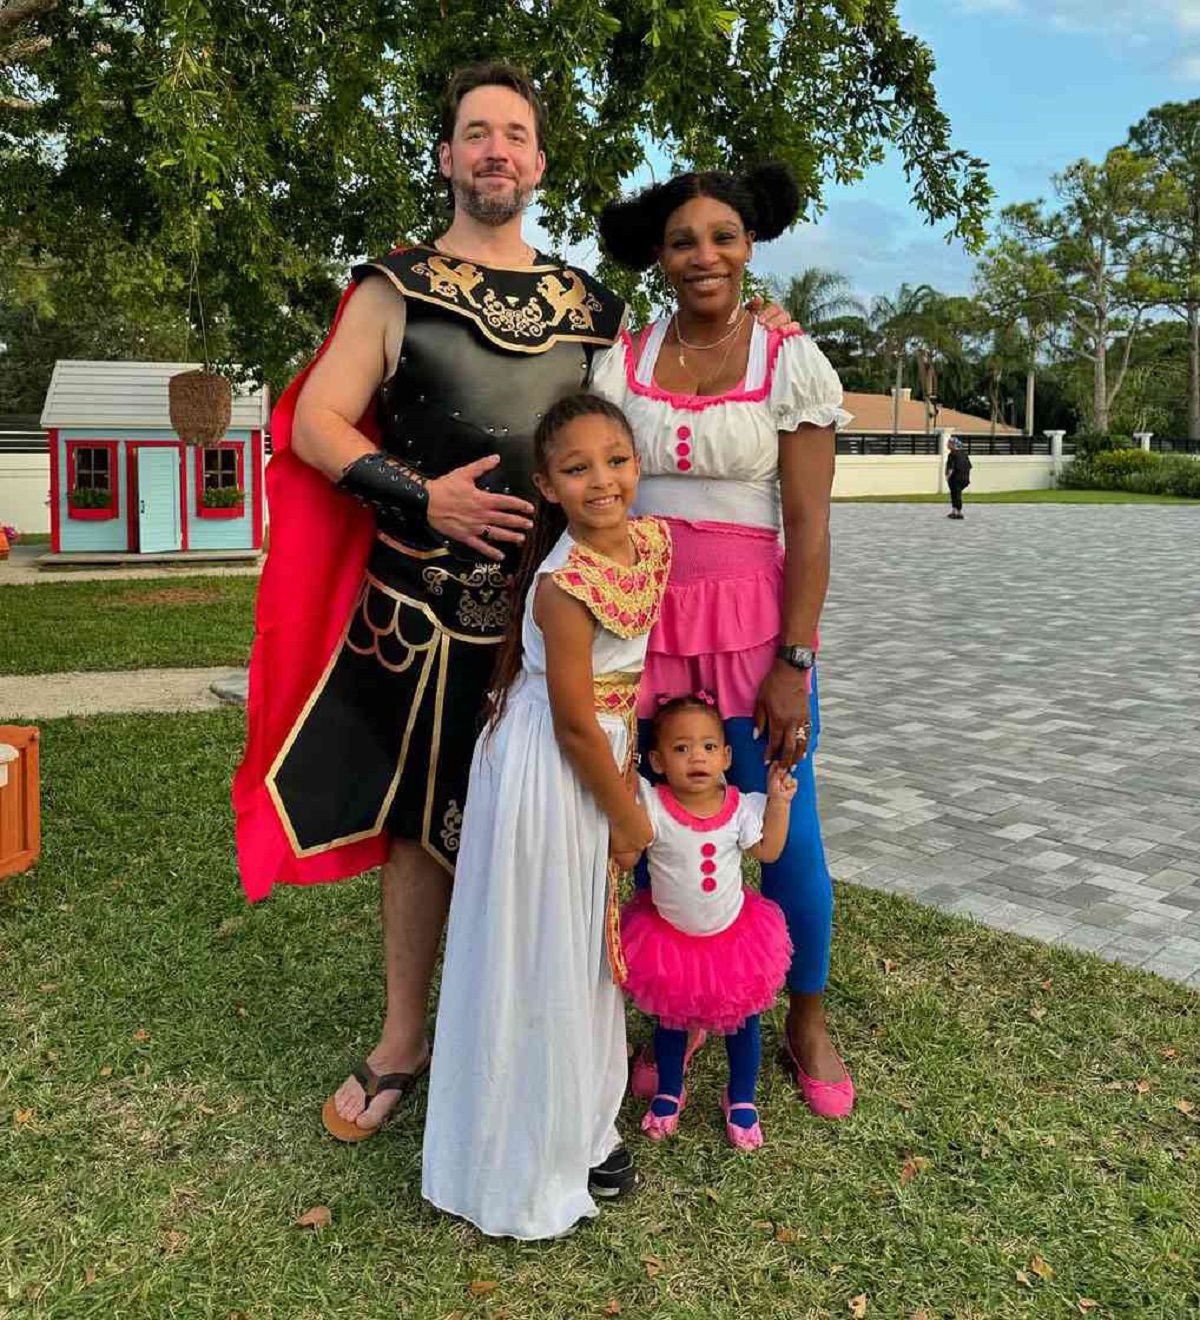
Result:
{"points": [[529, 1062]]}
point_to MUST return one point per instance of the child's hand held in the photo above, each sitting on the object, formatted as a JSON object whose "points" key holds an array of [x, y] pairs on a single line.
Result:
{"points": [[782, 783]]}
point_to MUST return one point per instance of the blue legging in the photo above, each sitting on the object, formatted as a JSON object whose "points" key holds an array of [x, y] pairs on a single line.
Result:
{"points": [[799, 881]]}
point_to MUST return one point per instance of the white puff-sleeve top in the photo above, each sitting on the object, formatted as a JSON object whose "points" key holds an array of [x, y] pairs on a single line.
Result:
{"points": [[696, 863], [716, 458]]}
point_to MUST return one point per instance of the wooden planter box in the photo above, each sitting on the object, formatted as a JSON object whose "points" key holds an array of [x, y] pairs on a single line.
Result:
{"points": [[20, 799], [85, 514]]}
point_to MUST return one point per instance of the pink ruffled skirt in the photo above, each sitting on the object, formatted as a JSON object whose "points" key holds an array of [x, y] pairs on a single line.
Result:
{"points": [[710, 981], [720, 621]]}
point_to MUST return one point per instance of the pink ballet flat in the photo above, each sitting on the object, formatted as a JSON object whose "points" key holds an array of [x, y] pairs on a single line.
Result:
{"points": [[741, 1138], [658, 1127], [643, 1079], [825, 1099]]}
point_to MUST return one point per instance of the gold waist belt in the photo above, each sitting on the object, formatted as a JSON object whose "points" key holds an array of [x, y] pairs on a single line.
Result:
{"points": [[617, 694]]}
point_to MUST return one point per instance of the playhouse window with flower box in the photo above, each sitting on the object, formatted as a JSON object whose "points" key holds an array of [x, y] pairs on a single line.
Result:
{"points": [[121, 479]]}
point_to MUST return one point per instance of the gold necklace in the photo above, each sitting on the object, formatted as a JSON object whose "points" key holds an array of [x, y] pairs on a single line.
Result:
{"points": [[728, 340], [716, 343]]}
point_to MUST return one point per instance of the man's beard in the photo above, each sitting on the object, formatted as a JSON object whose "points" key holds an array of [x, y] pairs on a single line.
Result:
{"points": [[490, 208]]}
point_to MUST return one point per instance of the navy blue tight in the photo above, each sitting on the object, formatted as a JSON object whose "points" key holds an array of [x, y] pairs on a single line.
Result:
{"points": [[744, 1051]]}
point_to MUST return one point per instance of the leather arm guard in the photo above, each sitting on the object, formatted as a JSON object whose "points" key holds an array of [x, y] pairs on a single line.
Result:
{"points": [[396, 493]]}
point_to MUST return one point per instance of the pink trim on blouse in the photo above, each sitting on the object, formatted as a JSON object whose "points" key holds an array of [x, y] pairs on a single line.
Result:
{"points": [[701, 824], [698, 402]]}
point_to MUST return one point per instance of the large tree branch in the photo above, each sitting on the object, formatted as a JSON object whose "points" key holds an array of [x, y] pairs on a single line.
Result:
{"points": [[13, 12], [22, 50], [16, 103], [1133, 329]]}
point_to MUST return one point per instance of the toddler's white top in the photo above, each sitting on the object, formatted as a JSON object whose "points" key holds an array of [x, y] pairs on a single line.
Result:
{"points": [[696, 864]]}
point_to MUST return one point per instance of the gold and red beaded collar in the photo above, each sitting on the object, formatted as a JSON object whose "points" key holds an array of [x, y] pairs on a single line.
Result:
{"points": [[624, 599]]}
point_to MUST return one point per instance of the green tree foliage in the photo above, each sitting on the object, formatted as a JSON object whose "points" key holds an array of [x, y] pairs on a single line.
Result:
{"points": [[1168, 141], [237, 154], [817, 298], [1021, 299], [1095, 246], [900, 323]]}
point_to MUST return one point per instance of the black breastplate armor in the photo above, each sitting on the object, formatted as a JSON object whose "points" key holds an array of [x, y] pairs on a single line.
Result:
{"points": [[485, 353], [455, 398]]}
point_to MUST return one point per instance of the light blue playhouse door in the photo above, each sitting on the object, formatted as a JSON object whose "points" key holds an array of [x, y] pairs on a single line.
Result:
{"points": [[158, 500]]}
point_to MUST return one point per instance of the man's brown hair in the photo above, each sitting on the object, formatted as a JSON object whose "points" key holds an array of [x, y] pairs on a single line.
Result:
{"points": [[490, 75]]}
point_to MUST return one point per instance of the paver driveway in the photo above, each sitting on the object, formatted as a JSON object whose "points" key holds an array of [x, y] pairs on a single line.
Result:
{"points": [[1012, 719]]}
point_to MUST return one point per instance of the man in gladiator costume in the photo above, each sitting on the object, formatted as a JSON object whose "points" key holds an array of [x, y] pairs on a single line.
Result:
{"points": [[399, 496]]}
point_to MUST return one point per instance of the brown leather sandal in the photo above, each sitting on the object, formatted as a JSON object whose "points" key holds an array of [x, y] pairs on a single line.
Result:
{"points": [[372, 1083]]}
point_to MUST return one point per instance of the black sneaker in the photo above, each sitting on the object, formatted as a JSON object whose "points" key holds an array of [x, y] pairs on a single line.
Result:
{"points": [[615, 1178]]}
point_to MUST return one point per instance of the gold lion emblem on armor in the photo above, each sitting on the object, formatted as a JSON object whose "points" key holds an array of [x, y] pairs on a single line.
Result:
{"points": [[451, 281], [570, 300]]}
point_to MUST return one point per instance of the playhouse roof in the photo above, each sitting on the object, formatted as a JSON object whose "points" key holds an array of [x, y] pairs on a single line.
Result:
{"points": [[132, 394]]}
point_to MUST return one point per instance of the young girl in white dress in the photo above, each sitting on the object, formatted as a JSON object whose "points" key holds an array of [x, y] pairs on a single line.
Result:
{"points": [[529, 1060], [704, 951]]}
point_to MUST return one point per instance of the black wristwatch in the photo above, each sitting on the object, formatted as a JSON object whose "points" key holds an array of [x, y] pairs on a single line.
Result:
{"points": [[799, 657]]}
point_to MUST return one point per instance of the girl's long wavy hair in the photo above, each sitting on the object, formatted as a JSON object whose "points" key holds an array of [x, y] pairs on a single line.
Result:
{"points": [[549, 523]]}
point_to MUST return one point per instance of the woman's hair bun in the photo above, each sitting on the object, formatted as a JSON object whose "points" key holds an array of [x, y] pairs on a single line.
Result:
{"points": [[776, 196], [767, 198], [631, 230]]}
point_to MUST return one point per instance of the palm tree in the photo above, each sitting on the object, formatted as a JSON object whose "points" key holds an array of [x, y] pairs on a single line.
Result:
{"points": [[901, 321], [816, 297]]}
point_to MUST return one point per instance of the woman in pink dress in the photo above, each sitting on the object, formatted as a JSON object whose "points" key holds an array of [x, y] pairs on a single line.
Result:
{"points": [[735, 428]]}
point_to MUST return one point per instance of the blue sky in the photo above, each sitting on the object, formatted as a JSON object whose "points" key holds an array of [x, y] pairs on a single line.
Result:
{"points": [[1029, 85]]}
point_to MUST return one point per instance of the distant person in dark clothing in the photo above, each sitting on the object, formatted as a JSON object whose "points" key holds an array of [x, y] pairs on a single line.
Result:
{"points": [[958, 475]]}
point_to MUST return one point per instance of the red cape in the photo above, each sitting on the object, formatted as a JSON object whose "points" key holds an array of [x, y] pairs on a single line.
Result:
{"points": [[319, 542]]}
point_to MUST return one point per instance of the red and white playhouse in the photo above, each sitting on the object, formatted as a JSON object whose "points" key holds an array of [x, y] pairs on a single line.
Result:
{"points": [[121, 480]]}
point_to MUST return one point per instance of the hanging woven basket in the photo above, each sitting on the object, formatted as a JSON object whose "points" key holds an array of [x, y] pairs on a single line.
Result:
{"points": [[201, 406]]}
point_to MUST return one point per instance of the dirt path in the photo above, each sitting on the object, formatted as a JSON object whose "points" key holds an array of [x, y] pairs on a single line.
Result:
{"points": [[49, 696]]}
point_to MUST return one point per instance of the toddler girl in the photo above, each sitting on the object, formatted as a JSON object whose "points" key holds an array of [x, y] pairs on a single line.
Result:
{"points": [[704, 952]]}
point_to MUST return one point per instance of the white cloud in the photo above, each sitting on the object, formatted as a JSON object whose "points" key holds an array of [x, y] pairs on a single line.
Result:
{"points": [[1165, 31]]}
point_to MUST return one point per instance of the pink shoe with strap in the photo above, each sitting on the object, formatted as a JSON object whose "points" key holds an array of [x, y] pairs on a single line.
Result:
{"points": [[825, 1099], [643, 1078], [741, 1138], [658, 1127]]}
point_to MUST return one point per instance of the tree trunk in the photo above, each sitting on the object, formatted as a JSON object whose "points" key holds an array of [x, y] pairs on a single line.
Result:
{"points": [[896, 394], [1030, 390], [1193, 312], [1100, 382]]}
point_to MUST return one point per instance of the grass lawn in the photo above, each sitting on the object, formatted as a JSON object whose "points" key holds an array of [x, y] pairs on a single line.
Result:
{"points": [[1023, 1139], [55, 626], [1025, 497]]}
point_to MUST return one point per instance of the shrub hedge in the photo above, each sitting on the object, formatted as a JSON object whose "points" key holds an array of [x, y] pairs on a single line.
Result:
{"points": [[1116, 467]]}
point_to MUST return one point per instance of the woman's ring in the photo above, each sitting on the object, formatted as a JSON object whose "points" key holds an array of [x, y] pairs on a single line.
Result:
{"points": [[486, 534]]}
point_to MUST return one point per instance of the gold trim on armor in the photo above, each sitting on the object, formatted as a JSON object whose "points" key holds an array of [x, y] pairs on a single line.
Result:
{"points": [[487, 265], [411, 551], [429, 614], [435, 756], [273, 789], [393, 626], [477, 318]]}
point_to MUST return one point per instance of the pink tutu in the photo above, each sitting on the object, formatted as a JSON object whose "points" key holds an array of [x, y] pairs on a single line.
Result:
{"points": [[710, 981]]}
